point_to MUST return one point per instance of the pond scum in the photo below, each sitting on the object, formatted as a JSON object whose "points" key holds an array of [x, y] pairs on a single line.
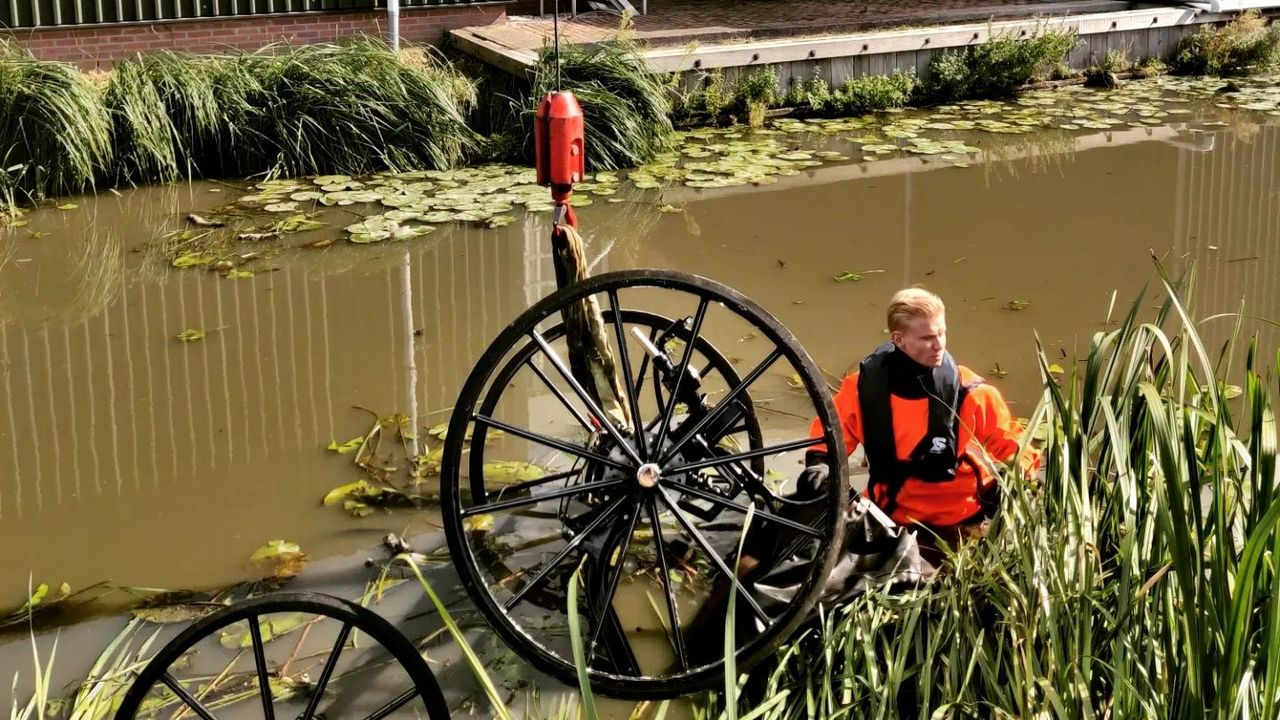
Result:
{"points": [[1136, 578]]}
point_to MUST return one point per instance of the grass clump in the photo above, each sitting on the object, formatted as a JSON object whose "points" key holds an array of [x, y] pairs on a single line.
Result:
{"points": [[627, 108], [1247, 45], [55, 134], [1106, 73], [994, 69]]}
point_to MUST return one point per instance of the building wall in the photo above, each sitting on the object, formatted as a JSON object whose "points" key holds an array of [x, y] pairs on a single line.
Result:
{"points": [[101, 46]]}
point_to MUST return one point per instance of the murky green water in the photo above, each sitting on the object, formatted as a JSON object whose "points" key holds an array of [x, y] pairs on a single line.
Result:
{"points": [[130, 456]]}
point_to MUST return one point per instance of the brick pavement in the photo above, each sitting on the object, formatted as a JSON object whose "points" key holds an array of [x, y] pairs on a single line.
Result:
{"points": [[676, 22]]}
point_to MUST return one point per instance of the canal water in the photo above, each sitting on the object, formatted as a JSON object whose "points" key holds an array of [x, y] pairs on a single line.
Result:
{"points": [[130, 456]]}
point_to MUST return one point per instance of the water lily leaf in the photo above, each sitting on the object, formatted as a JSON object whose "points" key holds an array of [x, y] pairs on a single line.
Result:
{"points": [[498, 221], [271, 626], [512, 471], [366, 238], [306, 196], [347, 447], [188, 336], [281, 207], [478, 523], [281, 558]]}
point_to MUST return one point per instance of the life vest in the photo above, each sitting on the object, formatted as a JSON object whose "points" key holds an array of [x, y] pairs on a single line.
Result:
{"points": [[935, 458]]}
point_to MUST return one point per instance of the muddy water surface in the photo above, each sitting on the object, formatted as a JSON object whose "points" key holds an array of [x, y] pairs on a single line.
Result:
{"points": [[130, 456]]}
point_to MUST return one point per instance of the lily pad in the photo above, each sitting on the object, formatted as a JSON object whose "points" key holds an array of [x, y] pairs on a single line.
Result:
{"points": [[271, 626]]}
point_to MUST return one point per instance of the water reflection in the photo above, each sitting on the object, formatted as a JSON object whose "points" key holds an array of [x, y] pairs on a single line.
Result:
{"points": [[191, 455]]}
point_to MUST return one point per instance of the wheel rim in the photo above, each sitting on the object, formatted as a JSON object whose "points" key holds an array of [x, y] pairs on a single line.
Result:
{"points": [[680, 483], [300, 647]]}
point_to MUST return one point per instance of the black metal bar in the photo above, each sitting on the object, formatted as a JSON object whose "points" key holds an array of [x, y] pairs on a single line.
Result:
{"points": [[736, 507], [399, 702], [564, 552], [748, 455], [535, 499], [698, 317], [325, 674], [260, 661], [612, 582], [559, 395], [584, 397], [711, 554], [673, 612], [186, 697], [633, 400], [721, 406], [553, 443]]}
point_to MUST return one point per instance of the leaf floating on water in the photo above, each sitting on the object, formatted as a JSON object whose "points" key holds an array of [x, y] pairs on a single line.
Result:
{"points": [[848, 277], [1017, 305], [271, 626], [172, 608], [281, 558], [1055, 369], [512, 471], [998, 372], [235, 274], [281, 207], [478, 523], [68, 206], [349, 446], [670, 209], [190, 335], [795, 382]]}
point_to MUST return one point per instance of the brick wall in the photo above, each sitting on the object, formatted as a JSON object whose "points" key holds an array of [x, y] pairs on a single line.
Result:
{"points": [[101, 46]]}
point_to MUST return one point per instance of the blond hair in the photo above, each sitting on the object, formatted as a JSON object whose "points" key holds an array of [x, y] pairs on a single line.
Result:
{"points": [[911, 303]]}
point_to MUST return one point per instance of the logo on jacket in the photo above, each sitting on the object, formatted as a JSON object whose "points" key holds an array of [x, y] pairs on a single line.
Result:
{"points": [[939, 446]]}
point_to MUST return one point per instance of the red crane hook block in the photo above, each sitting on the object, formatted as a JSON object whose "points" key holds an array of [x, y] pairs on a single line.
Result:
{"points": [[558, 143]]}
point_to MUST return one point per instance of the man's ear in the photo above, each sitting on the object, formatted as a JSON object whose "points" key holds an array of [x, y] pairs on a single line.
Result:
{"points": [[895, 337]]}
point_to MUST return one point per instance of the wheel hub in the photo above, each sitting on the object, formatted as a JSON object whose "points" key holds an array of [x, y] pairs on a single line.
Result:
{"points": [[648, 475]]}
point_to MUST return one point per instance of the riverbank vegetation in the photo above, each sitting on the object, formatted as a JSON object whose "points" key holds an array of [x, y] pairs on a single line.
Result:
{"points": [[357, 107]]}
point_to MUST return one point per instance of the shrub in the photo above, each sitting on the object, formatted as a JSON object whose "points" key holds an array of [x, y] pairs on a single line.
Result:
{"points": [[872, 92], [994, 69], [1245, 46]]}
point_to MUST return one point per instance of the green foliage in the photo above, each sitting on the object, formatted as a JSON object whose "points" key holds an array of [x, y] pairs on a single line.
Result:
{"points": [[1136, 578], [626, 104], [284, 110], [1245, 46], [756, 92], [55, 135], [994, 69], [870, 93]]}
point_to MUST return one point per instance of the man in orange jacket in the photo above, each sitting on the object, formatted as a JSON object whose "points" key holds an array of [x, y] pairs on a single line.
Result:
{"points": [[930, 427]]}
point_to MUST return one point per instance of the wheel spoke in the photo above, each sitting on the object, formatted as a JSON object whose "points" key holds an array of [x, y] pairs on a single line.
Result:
{"points": [[327, 673], [584, 396], [614, 575], [674, 398], [748, 455], [644, 363], [400, 701], [577, 414], [537, 579], [569, 491], [721, 406], [739, 508], [550, 442], [633, 400], [712, 555], [260, 662], [172, 683], [673, 611]]}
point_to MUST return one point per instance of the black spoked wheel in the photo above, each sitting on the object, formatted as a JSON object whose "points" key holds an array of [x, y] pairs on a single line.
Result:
{"points": [[647, 497], [295, 656]]}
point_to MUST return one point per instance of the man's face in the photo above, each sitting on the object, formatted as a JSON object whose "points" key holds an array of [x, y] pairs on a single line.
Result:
{"points": [[923, 340]]}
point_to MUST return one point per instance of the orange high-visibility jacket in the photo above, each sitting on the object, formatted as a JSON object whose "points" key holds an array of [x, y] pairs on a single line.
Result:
{"points": [[984, 420]]}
